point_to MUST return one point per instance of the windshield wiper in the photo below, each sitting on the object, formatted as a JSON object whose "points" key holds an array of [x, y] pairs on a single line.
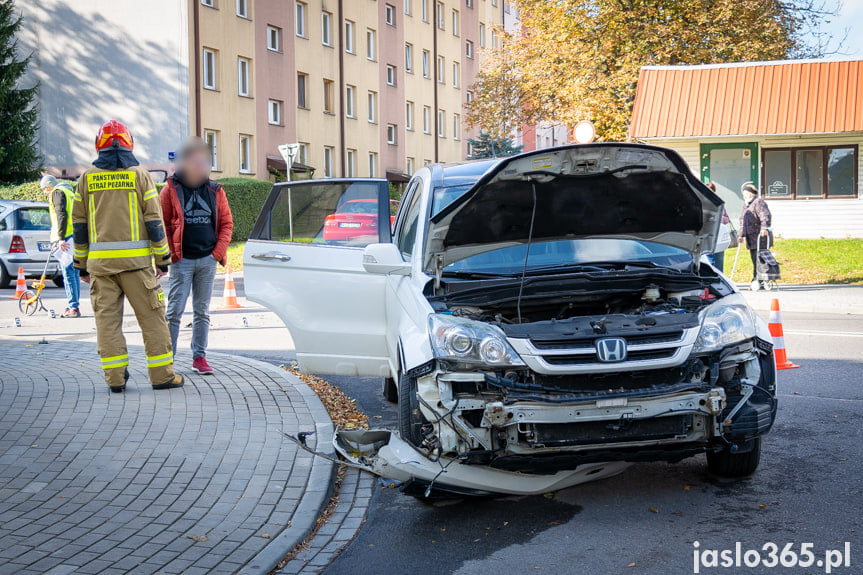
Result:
{"points": [[474, 275]]}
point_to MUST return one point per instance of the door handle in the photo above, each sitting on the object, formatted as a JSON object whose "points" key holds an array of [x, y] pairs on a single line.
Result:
{"points": [[277, 257]]}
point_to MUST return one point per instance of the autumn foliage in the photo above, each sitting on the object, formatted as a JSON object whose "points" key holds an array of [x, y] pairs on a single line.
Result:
{"points": [[580, 59]]}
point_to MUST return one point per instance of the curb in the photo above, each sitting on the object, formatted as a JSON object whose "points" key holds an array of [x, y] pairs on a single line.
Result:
{"points": [[319, 489]]}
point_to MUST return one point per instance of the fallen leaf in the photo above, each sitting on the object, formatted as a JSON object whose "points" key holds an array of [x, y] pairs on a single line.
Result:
{"points": [[686, 488], [548, 495], [762, 506], [653, 509], [266, 535], [554, 522], [677, 513], [198, 538], [631, 564]]}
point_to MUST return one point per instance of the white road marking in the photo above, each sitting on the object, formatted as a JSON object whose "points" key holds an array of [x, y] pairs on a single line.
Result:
{"points": [[824, 333]]}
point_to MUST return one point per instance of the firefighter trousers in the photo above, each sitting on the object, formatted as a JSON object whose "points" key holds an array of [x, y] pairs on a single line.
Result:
{"points": [[142, 289]]}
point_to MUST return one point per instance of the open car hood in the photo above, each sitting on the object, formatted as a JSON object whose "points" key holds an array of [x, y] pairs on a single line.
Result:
{"points": [[604, 190]]}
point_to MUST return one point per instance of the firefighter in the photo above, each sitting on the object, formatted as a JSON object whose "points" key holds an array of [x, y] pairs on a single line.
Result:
{"points": [[117, 230]]}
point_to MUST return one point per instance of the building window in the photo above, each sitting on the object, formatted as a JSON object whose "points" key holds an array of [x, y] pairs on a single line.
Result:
{"points": [[409, 58], [425, 63], [301, 19], [245, 154], [408, 7], [441, 75], [390, 14], [441, 124], [328, 161], [350, 101], [469, 97], [373, 106], [441, 23], [493, 40], [209, 3], [481, 35], [303, 154], [409, 116], [469, 3], [494, 2], [349, 36], [274, 38], [455, 74], [242, 8], [391, 134], [373, 164], [243, 68], [211, 138], [209, 69], [807, 173], [328, 96], [426, 120], [409, 166], [274, 108], [302, 90], [456, 127], [468, 49], [455, 22], [350, 163], [426, 162], [370, 44], [391, 75], [326, 19]]}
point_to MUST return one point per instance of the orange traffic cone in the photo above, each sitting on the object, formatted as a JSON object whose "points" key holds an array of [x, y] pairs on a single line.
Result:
{"points": [[775, 325], [229, 295], [20, 284]]}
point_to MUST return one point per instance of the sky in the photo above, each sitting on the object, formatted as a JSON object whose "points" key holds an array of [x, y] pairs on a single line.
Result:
{"points": [[850, 18]]}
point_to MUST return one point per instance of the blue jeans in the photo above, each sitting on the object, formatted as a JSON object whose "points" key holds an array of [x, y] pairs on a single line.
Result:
{"points": [[72, 284], [195, 276]]}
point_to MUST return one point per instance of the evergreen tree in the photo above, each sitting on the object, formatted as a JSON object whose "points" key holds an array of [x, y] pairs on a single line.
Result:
{"points": [[19, 115], [487, 146]]}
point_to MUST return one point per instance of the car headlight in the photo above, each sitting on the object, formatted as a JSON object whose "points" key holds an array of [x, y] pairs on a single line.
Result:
{"points": [[470, 342], [726, 322]]}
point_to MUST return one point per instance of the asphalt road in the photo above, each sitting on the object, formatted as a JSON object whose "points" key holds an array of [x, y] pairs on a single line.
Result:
{"points": [[809, 484]]}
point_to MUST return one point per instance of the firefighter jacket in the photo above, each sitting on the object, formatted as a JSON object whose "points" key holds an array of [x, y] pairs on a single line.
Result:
{"points": [[117, 222], [60, 209]]}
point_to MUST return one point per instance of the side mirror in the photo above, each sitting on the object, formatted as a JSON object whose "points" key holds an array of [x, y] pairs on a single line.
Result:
{"points": [[385, 259]]}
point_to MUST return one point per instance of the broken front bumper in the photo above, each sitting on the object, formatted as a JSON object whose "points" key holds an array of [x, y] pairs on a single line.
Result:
{"points": [[386, 454]]}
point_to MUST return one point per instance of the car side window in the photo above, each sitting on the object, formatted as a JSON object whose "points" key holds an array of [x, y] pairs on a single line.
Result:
{"points": [[3, 224], [407, 232], [345, 213]]}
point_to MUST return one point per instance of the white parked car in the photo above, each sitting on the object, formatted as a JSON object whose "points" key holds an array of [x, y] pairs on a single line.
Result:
{"points": [[25, 241], [542, 320]]}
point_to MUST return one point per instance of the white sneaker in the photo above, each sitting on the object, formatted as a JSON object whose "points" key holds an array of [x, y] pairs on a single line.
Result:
{"points": [[755, 285]]}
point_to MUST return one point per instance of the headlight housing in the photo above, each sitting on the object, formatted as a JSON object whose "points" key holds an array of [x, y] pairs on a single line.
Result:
{"points": [[726, 322], [471, 343]]}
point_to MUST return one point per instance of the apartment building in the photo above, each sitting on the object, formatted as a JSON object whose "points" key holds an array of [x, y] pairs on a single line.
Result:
{"points": [[367, 87]]}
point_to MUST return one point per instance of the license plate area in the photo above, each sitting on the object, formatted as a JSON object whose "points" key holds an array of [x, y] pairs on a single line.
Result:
{"points": [[44, 246], [349, 224]]}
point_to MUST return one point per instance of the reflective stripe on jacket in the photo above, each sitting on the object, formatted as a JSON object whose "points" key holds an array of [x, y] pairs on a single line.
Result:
{"points": [[68, 194], [117, 222]]}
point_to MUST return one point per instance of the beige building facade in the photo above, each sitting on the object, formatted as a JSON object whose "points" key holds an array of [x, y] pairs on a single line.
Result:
{"points": [[367, 87]]}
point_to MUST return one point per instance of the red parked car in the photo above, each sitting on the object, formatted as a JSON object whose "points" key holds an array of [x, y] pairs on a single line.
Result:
{"points": [[353, 220]]}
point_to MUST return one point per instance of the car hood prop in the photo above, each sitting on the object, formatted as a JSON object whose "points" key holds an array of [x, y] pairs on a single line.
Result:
{"points": [[604, 190], [384, 453]]}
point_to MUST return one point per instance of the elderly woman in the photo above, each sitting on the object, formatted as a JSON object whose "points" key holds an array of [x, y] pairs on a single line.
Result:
{"points": [[754, 226]]}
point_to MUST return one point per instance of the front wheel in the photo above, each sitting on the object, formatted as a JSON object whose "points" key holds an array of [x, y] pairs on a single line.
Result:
{"points": [[391, 390], [728, 464], [410, 418], [28, 303]]}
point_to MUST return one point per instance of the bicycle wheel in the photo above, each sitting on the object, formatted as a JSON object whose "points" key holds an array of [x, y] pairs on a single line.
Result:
{"points": [[28, 303]]}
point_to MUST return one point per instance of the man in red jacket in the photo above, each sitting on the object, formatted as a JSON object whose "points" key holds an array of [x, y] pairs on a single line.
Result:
{"points": [[199, 225]]}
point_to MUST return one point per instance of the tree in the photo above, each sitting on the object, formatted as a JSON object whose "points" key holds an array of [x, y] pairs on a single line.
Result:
{"points": [[580, 59], [488, 146], [19, 115]]}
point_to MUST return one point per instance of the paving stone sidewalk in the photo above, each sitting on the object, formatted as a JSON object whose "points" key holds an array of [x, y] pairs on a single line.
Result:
{"points": [[192, 480]]}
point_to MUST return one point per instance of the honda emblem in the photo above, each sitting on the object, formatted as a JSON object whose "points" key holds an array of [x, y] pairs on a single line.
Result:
{"points": [[611, 349]]}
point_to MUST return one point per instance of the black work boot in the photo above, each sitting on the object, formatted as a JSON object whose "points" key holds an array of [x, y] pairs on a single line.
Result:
{"points": [[176, 381], [121, 388]]}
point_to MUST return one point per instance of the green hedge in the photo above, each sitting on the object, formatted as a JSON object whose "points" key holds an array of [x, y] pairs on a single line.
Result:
{"points": [[246, 196]]}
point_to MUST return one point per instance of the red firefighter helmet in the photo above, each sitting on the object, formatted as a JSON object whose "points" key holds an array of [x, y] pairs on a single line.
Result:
{"points": [[114, 134]]}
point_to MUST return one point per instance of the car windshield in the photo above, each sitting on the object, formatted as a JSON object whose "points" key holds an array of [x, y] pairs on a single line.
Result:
{"points": [[575, 253], [358, 207], [445, 195], [32, 219]]}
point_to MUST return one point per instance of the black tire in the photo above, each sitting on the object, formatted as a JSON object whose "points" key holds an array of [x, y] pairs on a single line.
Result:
{"points": [[391, 390], [58, 280], [410, 418], [5, 278], [727, 464]]}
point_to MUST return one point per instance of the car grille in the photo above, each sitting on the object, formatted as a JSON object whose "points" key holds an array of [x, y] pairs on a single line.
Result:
{"points": [[598, 432], [590, 343]]}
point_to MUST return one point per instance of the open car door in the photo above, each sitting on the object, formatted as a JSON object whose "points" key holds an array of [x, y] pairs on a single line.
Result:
{"points": [[304, 261]]}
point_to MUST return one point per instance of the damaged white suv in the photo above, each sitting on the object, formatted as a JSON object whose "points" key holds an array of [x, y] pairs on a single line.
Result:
{"points": [[542, 319]]}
